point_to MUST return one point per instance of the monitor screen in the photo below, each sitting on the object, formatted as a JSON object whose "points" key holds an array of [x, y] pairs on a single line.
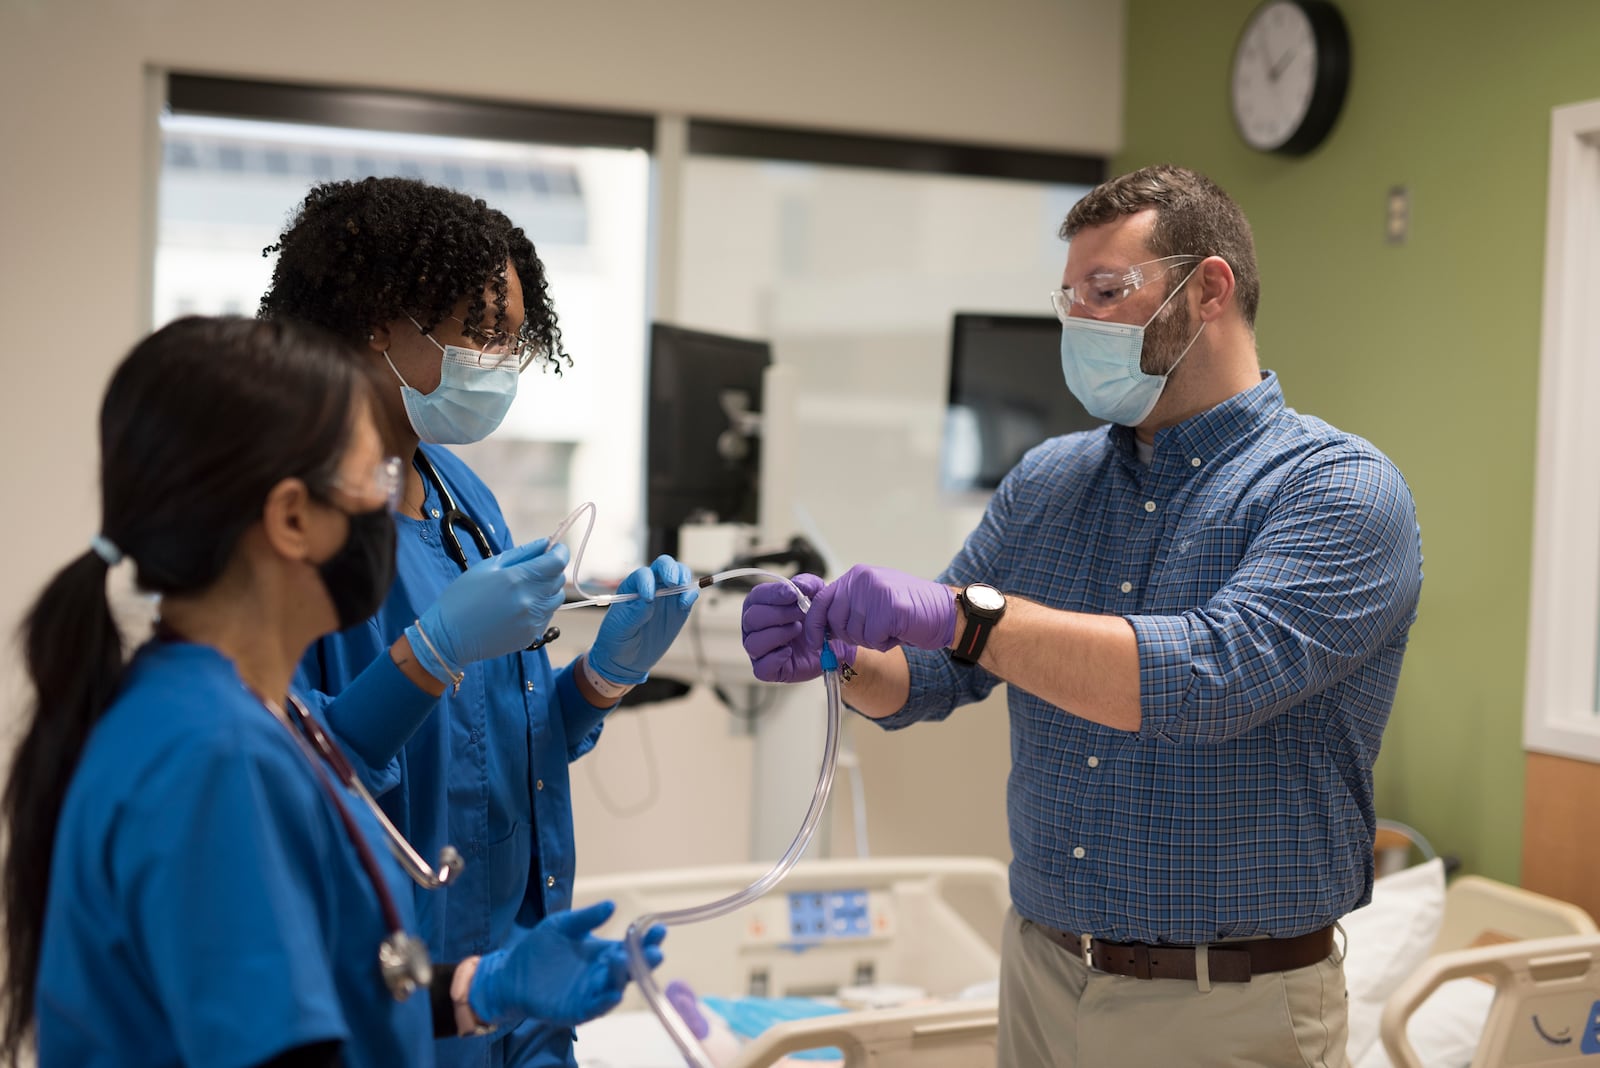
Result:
{"points": [[1006, 396], [703, 446]]}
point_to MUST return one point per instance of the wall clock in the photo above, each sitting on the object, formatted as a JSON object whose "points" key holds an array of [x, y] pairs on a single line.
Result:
{"points": [[1291, 68]]}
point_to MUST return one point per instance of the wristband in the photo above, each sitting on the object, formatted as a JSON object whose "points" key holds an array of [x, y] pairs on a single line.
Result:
{"points": [[610, 691], [431, 651]]}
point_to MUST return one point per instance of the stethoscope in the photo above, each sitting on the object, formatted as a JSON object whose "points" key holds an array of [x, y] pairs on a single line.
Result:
{"points": [[402, 958], [454, 518]]}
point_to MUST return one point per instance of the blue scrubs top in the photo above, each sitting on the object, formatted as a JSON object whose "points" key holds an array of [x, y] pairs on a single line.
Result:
{"points": [[206, 906], [486, 771]]}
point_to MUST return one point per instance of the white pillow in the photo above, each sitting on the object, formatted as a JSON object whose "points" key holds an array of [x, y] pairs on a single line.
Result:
{"points": [[1446, 1029], [1387, 941]]}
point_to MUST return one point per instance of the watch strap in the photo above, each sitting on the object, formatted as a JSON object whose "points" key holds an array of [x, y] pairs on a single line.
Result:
{"points": [[975, 635], [973, 638]]}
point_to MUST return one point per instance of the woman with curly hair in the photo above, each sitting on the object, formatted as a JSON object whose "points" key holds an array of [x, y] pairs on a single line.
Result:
{"points": [[461, 729]]}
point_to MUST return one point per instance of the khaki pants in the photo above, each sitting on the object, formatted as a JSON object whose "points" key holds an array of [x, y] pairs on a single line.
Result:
{"points": [[1056, 1013]]}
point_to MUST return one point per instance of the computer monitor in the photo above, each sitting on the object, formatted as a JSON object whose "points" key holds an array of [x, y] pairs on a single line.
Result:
{"points": [[703, 446], [1006, 396]]}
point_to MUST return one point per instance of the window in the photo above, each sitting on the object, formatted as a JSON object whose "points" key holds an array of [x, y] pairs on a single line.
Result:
{"points": [[851, 254], [1561, 714]]}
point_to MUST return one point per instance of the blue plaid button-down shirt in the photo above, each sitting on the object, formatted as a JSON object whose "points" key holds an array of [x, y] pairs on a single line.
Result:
{"points": [[1270, 567]]}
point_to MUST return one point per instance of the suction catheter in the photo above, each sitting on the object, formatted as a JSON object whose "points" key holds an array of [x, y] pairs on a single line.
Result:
{"points": [[694, 1054]]}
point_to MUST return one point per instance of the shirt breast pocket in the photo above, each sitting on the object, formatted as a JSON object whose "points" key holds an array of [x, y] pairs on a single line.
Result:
{"points": [[1195, 565]]}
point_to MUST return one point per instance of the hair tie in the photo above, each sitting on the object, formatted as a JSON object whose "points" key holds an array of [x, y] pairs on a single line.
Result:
{"points": [[106, 549]]}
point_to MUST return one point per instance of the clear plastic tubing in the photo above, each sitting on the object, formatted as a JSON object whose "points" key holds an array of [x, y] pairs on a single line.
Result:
{"points": [[694, 1054], [602, 599]]}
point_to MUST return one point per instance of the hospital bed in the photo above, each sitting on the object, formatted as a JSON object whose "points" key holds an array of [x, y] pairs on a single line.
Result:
{"points": [[924, 931], [1511, 978], [934, 924]]}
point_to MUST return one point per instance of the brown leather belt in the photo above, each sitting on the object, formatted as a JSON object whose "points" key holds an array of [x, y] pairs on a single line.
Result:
{"points": [[1227, 962]]}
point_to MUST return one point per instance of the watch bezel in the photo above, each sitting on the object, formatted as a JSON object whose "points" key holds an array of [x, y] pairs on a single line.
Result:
{"points": [[975, 594]]}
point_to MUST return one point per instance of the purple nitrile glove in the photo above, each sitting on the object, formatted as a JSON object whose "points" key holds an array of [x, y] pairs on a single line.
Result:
{"points": [[881, 608], [774, 635], [681, 997]]}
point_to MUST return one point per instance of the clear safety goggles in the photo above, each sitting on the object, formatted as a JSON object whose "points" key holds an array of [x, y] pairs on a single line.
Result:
{"points": [[499, 348], [1103, 291], [386, 481]]}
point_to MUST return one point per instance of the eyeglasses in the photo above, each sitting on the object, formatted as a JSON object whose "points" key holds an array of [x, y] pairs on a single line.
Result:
{"points": [[386, 481], [499, 348], [1101, 292]]}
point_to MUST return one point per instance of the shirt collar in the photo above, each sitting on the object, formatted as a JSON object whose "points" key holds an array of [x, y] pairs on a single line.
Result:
{"points": [[1213, 430]]}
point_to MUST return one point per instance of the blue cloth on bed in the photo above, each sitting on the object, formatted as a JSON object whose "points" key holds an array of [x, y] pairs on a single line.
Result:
{"points": [[749, 1017]]}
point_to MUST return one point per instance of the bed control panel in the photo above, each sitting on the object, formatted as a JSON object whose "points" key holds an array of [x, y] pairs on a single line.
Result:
{"points": [[812, 919], [815, 916]]}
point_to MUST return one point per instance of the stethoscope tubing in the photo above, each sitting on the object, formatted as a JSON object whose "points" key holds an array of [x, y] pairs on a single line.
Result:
{"points": [[316, 739], [402, 959]]}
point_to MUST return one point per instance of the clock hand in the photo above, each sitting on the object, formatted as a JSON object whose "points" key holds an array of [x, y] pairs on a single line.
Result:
{"points": [[1281, 65]]}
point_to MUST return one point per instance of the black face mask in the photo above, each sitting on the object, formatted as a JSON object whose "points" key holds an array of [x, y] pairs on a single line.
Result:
{"points": [[359, 575]]}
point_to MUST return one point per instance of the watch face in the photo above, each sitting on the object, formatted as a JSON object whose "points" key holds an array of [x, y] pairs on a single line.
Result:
{"points": [[984, 598], [1274, 74]]}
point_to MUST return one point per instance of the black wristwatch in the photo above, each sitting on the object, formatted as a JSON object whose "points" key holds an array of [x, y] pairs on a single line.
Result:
{"points": [[983, 606]]}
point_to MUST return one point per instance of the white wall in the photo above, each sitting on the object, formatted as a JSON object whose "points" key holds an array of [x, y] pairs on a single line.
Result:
{"points": [[79, 83]]}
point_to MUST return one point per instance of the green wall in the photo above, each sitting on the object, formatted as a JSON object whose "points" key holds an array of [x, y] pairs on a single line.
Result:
{"points": [[1429, 349]]}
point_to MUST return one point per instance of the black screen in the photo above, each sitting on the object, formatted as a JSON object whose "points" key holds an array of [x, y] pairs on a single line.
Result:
{"points": [[1006, 396], [703, 460]]}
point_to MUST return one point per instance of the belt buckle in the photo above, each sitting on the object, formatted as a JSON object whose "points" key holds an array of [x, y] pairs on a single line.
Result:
{"points": [[1088, 950]]}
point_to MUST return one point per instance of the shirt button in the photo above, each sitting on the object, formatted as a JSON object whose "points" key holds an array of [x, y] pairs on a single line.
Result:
{"points": [[538, 784], [435, 513], [1195, 462], [530, 686], [1149, 506], [550, 881], [1079, 853], [1127, 587], [1094, 762]]}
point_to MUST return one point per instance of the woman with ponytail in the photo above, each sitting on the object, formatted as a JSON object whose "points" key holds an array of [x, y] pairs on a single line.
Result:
{"points": [[187, 883]]}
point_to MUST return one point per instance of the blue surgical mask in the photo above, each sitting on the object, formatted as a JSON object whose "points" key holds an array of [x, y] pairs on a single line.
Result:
{"points": [[1100, 362], [472, 398]]}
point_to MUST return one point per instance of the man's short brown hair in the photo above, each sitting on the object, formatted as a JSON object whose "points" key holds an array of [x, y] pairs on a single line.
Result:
{"points": [[1194, 217]]}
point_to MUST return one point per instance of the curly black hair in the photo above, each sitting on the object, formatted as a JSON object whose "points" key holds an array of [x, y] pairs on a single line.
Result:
{"points": [[372, 251]]}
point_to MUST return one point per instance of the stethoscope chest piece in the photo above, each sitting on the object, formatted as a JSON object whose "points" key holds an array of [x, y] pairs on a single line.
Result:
{"points": [[405, 963]]}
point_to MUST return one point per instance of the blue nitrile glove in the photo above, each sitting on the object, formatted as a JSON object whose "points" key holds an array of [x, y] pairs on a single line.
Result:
{"points": [[773, 637], [881, 608], [558, 972], [497, 606], [634, 634]]}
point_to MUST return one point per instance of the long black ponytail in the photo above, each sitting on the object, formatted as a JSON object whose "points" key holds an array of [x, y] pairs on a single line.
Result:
{"points": [[198, 423]]}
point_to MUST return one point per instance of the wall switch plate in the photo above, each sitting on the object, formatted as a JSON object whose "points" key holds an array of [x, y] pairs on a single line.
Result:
{"points": [[1398, 217]]}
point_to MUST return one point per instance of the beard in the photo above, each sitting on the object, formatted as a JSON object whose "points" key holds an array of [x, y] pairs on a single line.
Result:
{"points": [[1166, 338]]}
